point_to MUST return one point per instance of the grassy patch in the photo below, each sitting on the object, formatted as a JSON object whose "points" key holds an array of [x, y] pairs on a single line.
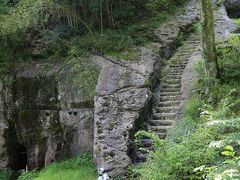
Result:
{"points": [[7, 174], [129, 55], [81, 167]]}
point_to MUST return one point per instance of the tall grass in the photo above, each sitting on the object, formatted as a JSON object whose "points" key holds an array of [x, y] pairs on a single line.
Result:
{"points": [[79, 168]]}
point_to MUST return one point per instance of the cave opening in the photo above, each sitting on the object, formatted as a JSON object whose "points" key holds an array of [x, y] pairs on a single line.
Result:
{"points": [[233, 14], [233, 10], [22, 160]]}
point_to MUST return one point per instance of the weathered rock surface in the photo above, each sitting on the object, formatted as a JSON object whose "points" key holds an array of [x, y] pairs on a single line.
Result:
{"points": [[224, 26], [169, 33], [4, 158], [124, 97], [47, 116], [122, 100]]}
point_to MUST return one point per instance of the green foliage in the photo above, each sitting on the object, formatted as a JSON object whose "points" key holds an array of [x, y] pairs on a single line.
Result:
{"points": [[147, 135], [129, 55], [86, 72], [174, 160], [7, 174], [229, 170], [237, 21], [32, 11], [160, 5], [81, 167], [109, 41], [229, 61], [192, 120], [205, 144], [29, 175]]}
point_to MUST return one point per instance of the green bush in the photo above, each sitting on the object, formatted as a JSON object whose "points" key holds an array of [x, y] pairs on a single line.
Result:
{"points": [[174, 160]]}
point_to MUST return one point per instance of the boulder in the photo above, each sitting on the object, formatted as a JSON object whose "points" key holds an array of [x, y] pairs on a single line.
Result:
{"points": [[121, 107]]}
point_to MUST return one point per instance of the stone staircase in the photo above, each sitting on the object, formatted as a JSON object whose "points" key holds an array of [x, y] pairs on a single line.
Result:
{"points": [[164, 115]]}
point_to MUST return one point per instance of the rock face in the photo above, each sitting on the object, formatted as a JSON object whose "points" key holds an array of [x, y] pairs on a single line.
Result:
{"points": [[224, 26], [169, 33], [120, 108], [48, 119], [4, 158], [124, 98]]}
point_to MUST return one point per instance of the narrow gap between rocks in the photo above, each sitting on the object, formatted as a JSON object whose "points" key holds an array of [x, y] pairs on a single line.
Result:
{"points": [[21, 159]]}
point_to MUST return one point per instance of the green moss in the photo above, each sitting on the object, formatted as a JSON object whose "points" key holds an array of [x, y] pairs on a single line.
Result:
{"points": [[128, 55], [147, 83]]}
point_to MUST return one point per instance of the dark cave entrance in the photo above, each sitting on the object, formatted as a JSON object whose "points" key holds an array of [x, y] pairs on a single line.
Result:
{"points": [[233, 10], [21, 160], [233, 13]]}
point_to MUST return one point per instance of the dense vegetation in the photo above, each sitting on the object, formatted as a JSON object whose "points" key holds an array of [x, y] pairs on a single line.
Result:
{"points": [[96, 25], [47, 31], [205, 144]]}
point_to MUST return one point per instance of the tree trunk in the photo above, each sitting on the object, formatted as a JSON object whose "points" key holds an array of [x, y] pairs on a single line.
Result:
{"points": [[208, 39]]}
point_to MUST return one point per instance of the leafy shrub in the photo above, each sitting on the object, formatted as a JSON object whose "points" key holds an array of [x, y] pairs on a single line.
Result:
{"points": [[7, 174], [229, 61], [174, 160]]}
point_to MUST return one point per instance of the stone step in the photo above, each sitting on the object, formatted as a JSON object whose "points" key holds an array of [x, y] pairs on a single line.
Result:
{"points": [[162, 135], [147, 142], [170, 89], [177, 68], [169, 103], [169, 93], [165, 85], [170, 98], [177, 65], [171, 80], [180, 71], [159, 129], [174, 74], [160, 123], [192, 42], [184, 56], [183, 53], [141, 157], [181, 60], [164, 116], [171, 109]]}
